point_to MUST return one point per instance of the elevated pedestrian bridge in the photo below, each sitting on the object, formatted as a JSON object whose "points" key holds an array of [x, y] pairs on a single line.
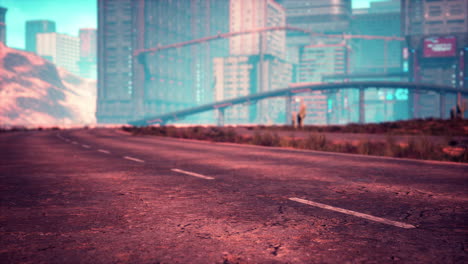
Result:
{"points": [[295, 89]]}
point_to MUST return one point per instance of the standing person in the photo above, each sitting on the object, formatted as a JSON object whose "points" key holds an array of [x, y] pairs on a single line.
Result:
{"points": [[294, 119], [302, 114]]}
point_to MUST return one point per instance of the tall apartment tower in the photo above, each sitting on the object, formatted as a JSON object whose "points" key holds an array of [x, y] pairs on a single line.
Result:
{"points": [[437, 40], [316, 61], [212, 20], [2, 25], [388, 6], [255, 62], [115, 61], [132, 87], [325, 16], [61, 49], [35, 27], [247, 15], [307, 55], [88, 48], [379, 57]]}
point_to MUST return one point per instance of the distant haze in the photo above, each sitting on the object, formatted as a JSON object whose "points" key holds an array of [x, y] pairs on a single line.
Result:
{"points": [[69, 16]]}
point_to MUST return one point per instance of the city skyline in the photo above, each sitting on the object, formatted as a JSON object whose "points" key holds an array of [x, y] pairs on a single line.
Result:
{"points": [[144, 82], [64, 15], [84, 11]]}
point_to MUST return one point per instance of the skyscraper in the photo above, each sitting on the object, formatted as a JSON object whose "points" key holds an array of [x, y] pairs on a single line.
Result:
{"points": [[34, 27], [238, 76], [256, 62], [212, 20], [2, 25], [379, 57], [437, 40], [388, 6], [317, 61], [324, 16], [115, 61], [247, 15], [131, 87], [60, 49], [88, 47], [306, 54], [376, 55]]}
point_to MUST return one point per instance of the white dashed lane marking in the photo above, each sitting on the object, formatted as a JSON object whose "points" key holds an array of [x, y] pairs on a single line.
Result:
{"points": [[134, 159], [194, 174], [86, 146], [349, 212], [104, 151]]}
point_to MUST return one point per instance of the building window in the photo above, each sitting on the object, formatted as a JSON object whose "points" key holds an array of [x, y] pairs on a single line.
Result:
{"points": [[435, 11], [435, 30], [434, 23], [457, 21], [456, 10]]}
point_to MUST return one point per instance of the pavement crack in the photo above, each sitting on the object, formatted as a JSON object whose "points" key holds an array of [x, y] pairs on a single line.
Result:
{"points": [[204, 235], [182, 227], [46, 248], [406, 216], [275, 248], [280, 209], [231, 259]]}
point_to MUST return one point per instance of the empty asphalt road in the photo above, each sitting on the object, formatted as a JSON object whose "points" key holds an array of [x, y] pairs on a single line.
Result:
{"points": [[104, 196]]}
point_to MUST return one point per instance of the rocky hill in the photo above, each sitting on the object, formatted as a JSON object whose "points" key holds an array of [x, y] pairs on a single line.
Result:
{"points": [[33, 92]]}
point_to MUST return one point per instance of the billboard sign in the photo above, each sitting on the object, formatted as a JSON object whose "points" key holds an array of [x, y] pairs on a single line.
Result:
{"points": [[439, 47]]}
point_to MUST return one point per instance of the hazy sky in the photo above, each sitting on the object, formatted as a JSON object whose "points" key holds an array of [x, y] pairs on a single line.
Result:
{"points": [[69, 16]]}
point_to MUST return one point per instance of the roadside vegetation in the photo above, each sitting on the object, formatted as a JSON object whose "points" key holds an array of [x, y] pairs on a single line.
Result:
{"points": [[420, 147], [428, 126], [23, 129]]}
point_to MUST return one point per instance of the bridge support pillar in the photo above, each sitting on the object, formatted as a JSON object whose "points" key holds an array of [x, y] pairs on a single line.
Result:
{"points": [[221, 117], [362, 110], [410, 104], [442, 105], [462, 103], [288, 110]]}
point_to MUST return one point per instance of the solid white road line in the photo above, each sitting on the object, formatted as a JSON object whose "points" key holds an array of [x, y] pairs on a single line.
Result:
{"points": [[104, 151], [345, 211], [193, 174], [133, 159], [85, 146]]}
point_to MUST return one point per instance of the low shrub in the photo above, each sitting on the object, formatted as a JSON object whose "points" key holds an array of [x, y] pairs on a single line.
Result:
{"points": [[315, 141], [418, 147], [266, 139]]}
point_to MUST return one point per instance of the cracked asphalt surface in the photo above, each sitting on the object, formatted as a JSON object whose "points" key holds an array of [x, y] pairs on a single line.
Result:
{"points": [[70, 196]]}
